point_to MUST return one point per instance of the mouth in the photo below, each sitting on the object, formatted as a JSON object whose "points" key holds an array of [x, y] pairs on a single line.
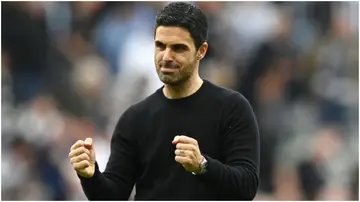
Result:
{"points": [[168, 69]]}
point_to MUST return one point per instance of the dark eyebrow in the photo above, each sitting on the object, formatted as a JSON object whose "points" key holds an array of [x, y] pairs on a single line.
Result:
{"points": [[179, 45], [159, 43]]}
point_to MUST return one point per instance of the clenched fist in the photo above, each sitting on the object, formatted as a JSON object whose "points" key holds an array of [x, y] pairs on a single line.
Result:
{"points": [[188, 153], [82, 157]]}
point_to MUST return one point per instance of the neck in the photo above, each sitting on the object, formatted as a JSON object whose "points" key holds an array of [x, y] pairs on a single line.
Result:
{"points": [[184, 89]]}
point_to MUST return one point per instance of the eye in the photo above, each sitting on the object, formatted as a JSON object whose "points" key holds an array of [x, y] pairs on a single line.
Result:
{"points": [[179, 47], [160, 45]]}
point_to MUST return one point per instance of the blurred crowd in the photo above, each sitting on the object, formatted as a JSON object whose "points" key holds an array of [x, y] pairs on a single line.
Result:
{"points": [[70, 69]]}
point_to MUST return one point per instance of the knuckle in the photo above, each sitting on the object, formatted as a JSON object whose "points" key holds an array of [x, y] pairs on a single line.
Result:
{"points": [[79, 142], [80, 149], [87, 151], [86, 157], [81, 165], [75, 155], [76, 160], [85, 164], [74, 145], [81, 157], [82, 153]]}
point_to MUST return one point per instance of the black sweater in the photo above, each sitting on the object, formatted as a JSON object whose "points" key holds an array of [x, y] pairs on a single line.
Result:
{"points": [[142, 153]]}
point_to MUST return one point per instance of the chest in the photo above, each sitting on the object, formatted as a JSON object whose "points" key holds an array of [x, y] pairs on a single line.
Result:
{"points": [[202, 124]]}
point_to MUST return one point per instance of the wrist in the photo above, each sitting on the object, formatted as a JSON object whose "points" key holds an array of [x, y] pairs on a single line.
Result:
{"points": [[90, 173], [202, 166]]}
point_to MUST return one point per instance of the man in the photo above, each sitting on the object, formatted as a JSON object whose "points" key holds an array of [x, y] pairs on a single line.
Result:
{"points": [[190, 140]]}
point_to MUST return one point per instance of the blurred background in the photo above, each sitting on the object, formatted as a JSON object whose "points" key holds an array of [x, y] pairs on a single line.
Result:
{"points": [[70, 69]]}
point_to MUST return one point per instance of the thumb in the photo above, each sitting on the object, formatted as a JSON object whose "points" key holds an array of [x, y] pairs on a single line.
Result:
{"points": [[89, 143]]}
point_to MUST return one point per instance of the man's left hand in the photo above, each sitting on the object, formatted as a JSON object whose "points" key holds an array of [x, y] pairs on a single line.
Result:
{"points": [[188, 153]]}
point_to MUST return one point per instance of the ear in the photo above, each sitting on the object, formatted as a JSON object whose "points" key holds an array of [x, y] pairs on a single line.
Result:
{"points": [[202, 51]]}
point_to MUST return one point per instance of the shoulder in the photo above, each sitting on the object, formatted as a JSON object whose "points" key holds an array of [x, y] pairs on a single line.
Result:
{"points": [[228, 97], [236, 111], [233, 105], [138, 109]]}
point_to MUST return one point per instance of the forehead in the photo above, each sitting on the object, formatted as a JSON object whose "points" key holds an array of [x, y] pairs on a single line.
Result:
{"points": [[173, 35]]}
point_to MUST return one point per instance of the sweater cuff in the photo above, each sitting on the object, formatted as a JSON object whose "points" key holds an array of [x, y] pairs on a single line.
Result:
{"points": [[213, 169]]}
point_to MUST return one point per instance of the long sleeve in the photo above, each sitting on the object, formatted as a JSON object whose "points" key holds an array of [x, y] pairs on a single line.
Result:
{"points": [[237, 176], [121, 172]]}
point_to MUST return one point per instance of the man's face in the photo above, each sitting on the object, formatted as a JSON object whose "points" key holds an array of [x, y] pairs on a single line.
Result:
{"points": [[175, 54]]}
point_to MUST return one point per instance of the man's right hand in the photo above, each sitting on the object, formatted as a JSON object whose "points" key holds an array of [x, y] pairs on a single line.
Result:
{"points": [[82, 157]]}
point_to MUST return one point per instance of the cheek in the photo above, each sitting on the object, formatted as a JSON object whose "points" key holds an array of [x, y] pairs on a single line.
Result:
{"points": [[185, 60], [157, 58]]}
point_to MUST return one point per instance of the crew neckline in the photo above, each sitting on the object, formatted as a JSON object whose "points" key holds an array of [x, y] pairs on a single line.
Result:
{"points": [[190, 97]]}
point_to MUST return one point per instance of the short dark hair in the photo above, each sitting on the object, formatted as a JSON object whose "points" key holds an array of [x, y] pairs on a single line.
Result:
{"points": [[185, 15]]}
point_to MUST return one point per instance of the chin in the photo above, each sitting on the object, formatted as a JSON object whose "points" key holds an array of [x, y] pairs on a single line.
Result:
{"points": [[166, 79], [171, 82]]}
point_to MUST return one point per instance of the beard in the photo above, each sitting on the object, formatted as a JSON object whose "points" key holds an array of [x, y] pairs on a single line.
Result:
{"points": [[178, 77]]}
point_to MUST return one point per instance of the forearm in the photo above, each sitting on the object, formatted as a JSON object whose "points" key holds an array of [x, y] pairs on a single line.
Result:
{"points": [[235, 182], [121, 172], [103, 187]]}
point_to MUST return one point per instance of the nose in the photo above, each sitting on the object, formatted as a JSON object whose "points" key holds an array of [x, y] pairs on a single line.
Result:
{"points": [[167, 55]]}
